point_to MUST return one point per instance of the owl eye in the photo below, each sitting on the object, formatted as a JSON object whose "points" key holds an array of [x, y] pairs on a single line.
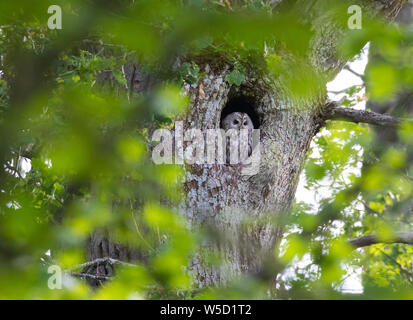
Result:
{"points": [[235, 122], [245, 123]]}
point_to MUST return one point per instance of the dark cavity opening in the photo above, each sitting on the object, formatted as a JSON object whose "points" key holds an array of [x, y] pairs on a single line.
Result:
{"points": [[241, 104]]}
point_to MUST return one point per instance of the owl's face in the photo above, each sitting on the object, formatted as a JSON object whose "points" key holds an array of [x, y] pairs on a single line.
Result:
{"points": [[237, 120]]}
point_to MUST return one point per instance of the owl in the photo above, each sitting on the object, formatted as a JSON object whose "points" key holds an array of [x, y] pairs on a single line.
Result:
{"points": [[238, 121]]}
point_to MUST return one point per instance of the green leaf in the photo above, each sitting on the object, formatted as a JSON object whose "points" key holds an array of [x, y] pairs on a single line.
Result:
{"points": [[235, 77]]}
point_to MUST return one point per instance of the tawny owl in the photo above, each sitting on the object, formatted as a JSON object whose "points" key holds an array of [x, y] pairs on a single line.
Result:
{"points": [[238, 121]]}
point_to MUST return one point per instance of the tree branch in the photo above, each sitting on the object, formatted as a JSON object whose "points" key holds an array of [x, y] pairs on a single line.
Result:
{"points": [[90, 276], [343, 90], [405, 237], [102, 261], [353, 72], [362, 116]]}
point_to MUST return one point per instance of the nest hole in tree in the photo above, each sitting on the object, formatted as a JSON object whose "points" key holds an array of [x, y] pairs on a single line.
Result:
{"points": [[243, 104]]}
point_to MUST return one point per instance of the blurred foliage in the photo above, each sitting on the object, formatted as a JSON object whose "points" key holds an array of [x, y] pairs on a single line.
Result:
{"points": [[74, 153], [363, 186]]}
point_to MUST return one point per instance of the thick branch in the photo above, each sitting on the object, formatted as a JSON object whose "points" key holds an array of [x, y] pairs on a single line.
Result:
{"points": [[102, 261], [362, 116], [405, 237], [90, 276]]}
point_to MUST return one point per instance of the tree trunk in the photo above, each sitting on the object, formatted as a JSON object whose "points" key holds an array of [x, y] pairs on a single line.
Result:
{"points": [[243, 208]]}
